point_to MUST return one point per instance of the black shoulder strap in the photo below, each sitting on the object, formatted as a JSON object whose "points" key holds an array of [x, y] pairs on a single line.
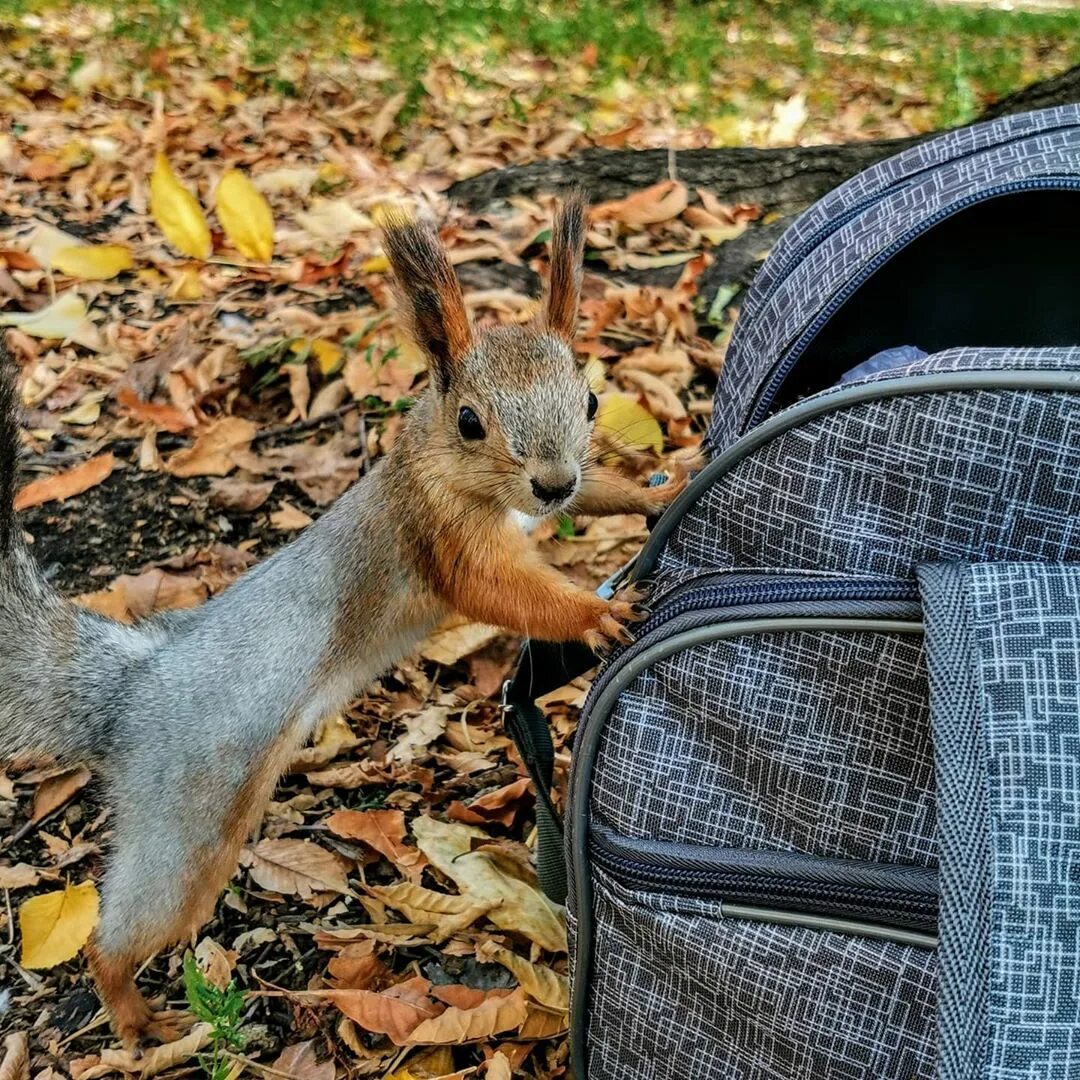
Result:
{"points": [[542, 666]]}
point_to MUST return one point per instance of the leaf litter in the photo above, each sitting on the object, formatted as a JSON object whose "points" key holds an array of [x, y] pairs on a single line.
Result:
{"points": [[191, 272]]}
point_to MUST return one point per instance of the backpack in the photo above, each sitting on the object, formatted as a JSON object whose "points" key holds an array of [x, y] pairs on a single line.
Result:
{"points": [[824, 814]]}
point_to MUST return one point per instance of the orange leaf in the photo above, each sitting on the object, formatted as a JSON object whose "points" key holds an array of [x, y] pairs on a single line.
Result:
{"points": [[496, 1014], [396, 1011], [496, 806], [64, 485], [383, 830], [661, 202], [166, 417]]}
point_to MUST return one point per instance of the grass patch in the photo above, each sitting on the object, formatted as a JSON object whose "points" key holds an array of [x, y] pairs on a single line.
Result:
{"points": [[711, 56]]}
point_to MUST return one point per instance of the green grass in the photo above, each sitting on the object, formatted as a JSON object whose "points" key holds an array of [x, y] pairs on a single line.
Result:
{"points": [[954, 54]]}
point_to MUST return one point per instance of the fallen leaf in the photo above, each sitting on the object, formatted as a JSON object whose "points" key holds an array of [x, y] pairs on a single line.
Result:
{"points": [[98, 262], [295, 868], [133, 597], [245, 216], [64, 485], [65, 319], [16, 1062], [19, 876], [421, 731], [158, 1059], [450, 914], [664, 403], [456, 639], [498, 806], [56, 790], [240, 496], [788, 118], [46, 240], [177, 212], [495, 1015], [56, 925], [166, 417], [627, 422], [300, 1062], [383, 830], [215, 962], [395, 1012], [499, 1068], [544, 986], [661, 202], [214, 452], [519, 907], [289, 518], [544, 1023]]}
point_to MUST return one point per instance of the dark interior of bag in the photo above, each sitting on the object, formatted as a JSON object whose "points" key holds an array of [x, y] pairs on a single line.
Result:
{"points": [[1005, 272]]}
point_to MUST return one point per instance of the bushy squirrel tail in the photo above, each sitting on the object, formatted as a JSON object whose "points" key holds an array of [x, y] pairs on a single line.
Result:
{"points": [[9, 449]]}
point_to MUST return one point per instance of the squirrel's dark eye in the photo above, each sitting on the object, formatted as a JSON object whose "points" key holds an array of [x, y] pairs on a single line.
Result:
{"points": [[468, 423], [590, 412]]}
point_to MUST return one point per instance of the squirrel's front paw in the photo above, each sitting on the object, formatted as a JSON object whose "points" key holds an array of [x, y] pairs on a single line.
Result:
{"points": [[624, 607], [657, 498]]}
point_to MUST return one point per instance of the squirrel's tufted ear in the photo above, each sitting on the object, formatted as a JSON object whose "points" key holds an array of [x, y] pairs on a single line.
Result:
{"points": [[429, 295], [564, 282]]}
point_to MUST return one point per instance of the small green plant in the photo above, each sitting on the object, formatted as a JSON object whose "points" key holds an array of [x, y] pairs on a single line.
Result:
{"points": [[221, 1010]]}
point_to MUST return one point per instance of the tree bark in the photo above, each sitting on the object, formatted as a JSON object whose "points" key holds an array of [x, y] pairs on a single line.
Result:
{"points": [[783, 179]]}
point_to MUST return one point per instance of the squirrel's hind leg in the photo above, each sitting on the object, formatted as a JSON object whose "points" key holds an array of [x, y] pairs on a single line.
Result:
{"points": [[175, 847]]}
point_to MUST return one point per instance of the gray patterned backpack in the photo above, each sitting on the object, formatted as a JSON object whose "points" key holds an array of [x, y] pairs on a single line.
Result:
{"points": [[824, 815]]}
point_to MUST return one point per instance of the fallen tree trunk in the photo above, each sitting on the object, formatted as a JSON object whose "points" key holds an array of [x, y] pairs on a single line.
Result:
{"points": [[782, 179]]}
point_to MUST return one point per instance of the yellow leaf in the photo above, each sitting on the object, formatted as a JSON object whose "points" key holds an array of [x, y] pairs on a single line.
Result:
{"points": [[596, 374], [56, 925], [329, 356], [543, 985], [449, 914], [97, 262], [377, 264], [633, 426], [519, 907], [245, 216], [65, 318], [186, 284], [468, 1025], [177, 212]]}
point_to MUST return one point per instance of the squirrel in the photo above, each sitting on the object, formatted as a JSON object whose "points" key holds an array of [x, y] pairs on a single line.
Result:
{"points": [[190, 717]]}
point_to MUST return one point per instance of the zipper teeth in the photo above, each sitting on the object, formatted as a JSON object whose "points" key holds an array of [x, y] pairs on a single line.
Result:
{"points": [[736, 595], [715, 882], [794, 352]]}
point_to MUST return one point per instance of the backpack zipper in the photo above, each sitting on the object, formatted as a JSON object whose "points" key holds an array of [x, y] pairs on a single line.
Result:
{"points": [[794, 352], [897, 896]]}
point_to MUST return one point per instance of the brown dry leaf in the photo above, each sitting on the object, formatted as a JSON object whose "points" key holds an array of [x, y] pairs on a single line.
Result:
{"points": [[132, 598], [498, 806], [395, 1012], [383, 830], [499, 1068], [215, 962], [166, 417], [333, 736], [358, 967], [421, 731], [289, 518], [495, 1015], [519, 907], [295, 867], [455, 639], [215, 451], [663, 402], [661, 202], [544, 986], [301, 1062], [157, 1059], [242, 496], [543, 1023], [64, 485], [449, 914], [19, 876], [56, 790], [16, 1062]]}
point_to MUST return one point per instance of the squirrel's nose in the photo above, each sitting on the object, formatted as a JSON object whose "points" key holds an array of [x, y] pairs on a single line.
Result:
{"points": [[552, 494]]}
